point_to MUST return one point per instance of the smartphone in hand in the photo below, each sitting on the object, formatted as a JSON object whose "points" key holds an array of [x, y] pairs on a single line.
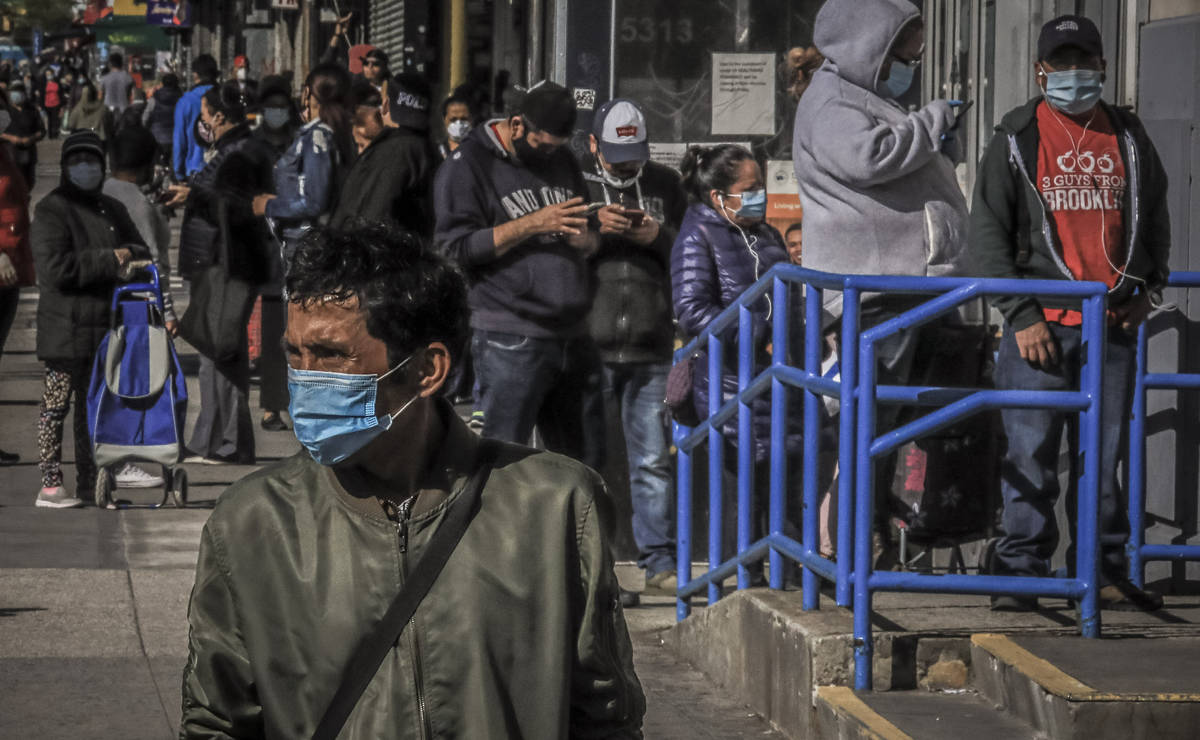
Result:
{"points": [[960, 114]]}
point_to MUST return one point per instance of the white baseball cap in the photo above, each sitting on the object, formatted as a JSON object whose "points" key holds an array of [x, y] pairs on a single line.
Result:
{"points": [[620, 129]]}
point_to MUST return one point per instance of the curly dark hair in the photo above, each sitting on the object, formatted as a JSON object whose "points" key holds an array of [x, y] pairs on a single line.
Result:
{"points": [[412, 294]]}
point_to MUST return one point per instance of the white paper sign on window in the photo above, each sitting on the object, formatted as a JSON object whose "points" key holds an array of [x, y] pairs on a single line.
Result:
{"points": [[743, 94]]}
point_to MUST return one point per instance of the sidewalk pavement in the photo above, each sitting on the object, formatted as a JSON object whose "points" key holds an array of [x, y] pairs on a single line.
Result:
{"points": [[93, 603]]}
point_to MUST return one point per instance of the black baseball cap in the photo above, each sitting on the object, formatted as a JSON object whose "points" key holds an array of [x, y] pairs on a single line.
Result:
{"points": [[410, 95], [548, 107], [1069, 30], [378, 55]]}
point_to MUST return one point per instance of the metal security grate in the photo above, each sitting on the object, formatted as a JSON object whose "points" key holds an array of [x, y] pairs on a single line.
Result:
{"points": [[387, 28]]}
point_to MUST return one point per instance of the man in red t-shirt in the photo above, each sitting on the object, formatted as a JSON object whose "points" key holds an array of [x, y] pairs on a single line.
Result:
{"points": [[1070, 188]]}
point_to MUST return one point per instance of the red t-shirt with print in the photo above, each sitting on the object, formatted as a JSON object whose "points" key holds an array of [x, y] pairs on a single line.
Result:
{"points": [[1081, 178]]}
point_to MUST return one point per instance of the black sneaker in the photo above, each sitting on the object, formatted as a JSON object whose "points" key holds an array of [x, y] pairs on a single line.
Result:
{"points": [[9, 458], [273, 422], [1123, 596], [630, 599], [1014, 604]]}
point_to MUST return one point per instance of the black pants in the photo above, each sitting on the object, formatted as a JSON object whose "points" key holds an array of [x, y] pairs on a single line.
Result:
{"points": [[52, 123], [272, 365], [10, 298]]}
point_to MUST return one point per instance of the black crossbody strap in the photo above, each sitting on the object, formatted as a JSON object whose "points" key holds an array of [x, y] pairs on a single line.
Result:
{"points": [[374, 648]]}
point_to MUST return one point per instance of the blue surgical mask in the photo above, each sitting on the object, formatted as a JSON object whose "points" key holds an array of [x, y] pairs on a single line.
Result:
{"points": [[86, 175], [1074, 91], [754, 204], [900, 78], [17, 98], [276, 118], [334, 414]]}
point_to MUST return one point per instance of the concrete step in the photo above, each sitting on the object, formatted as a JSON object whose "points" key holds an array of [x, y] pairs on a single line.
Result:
{"points": [[1069, 687], [912, 715], [773, 656]]}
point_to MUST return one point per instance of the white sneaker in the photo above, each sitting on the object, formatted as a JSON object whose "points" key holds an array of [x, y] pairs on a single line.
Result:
{"points": [[131, 476], [57, 498]]}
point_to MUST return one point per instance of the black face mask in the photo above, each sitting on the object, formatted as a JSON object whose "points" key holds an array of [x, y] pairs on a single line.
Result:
{"points": [[531, 156]]}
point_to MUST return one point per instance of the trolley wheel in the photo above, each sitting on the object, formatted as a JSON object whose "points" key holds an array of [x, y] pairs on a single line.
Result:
{"points": [[104, 488], [178, 481]]}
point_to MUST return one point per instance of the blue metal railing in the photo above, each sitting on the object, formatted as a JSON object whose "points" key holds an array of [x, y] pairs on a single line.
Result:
{"points": [[1136, 548], [859, 447]]}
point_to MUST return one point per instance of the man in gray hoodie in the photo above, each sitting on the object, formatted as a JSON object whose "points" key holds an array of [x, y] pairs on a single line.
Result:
{"points": [[877, 182]]}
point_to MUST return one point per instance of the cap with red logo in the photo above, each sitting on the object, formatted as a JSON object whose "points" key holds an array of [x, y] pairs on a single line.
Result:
{"points": [[620, 130]]}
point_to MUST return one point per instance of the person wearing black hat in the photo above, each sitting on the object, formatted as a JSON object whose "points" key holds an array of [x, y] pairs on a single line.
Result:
{"points": [[375, 69], [1070, 188], [389, 182], [83, 243], [510, 210]]}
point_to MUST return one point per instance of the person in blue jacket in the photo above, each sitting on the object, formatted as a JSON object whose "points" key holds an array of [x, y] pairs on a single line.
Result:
{"points": [[187, 153], [308, 173], [724, 246]]}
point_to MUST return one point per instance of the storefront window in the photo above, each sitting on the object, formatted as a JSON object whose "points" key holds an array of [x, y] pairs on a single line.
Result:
{"points": [[667, 52]]}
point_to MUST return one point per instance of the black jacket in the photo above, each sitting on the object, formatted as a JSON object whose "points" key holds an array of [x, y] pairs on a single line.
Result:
{"points": [[218, 216], [161, 118], [74, 235], [1012, 238], [389, 183], [539, 288], [631, 284]]}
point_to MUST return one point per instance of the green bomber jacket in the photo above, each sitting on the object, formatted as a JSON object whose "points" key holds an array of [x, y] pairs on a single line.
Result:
{"points": [[522, 635]]}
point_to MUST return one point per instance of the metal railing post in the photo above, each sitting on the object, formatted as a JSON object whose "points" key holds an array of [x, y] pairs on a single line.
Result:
{"points": [[683, 523], [779, 401], [716, 464], [1137, 465], [745, 442], [863, 515], [813, 343], [1091, 382], [848, 357]]}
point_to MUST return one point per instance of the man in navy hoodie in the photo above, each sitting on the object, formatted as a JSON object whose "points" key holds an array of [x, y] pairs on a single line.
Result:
{"points": [[510, 211]]}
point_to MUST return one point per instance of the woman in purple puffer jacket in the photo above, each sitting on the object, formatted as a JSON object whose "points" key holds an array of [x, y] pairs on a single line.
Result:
{"points": [[723, 247]]}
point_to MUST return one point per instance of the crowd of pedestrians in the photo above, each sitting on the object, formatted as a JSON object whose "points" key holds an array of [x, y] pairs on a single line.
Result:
{"points": [[582, 271]]}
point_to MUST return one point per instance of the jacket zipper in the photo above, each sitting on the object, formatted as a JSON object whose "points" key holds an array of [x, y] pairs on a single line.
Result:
{"points": [[1015, 153], [1131, 174], [400, 515]]}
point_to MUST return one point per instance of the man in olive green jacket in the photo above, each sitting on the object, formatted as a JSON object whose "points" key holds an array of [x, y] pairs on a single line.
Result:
{"points": [[521, 636]]}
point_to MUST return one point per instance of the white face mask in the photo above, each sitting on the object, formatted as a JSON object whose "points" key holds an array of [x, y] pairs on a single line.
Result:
{"points": [[240, 74], [617, 182], [458, 130]]}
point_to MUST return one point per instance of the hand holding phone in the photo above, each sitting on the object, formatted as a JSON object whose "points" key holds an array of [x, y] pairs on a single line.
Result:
{"points": [[960, 112]]}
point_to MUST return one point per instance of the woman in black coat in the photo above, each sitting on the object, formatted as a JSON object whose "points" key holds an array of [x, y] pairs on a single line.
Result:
{"points": [[219, 226], [81, 241]]}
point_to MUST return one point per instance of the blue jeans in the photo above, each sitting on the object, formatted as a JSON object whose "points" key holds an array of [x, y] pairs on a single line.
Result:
{"points": [[638, 390], [1029, 475], [521, 381]]}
